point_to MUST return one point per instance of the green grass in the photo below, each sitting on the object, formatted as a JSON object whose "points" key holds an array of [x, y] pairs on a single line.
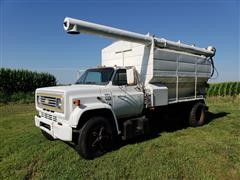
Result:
{"points": [[211, 151]]}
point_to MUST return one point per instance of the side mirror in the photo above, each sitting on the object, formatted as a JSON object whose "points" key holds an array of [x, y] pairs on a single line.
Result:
{"points": [[130, 76]]}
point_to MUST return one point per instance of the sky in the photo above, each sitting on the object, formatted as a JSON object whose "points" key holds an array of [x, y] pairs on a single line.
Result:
{"points": [[32, 35]]}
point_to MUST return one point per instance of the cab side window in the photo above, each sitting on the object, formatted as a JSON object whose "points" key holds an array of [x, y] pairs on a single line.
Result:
{"points": [[120, 78]]}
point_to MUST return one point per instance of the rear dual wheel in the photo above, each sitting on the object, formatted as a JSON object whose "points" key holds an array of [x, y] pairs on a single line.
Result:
{"points": [[197, 116], [95, 138]]}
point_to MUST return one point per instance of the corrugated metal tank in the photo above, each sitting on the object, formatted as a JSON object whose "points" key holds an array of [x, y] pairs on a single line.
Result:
{"points": [[180, 72]]}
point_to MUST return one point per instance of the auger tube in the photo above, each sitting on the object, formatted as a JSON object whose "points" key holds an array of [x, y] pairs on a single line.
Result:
{"points": [[75, 26]]}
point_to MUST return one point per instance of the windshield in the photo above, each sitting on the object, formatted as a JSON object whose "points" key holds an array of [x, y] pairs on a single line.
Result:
{"points": [[99, 76]]}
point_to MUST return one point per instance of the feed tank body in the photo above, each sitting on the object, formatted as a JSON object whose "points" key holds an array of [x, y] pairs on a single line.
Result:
{"points": [[184, 74]]}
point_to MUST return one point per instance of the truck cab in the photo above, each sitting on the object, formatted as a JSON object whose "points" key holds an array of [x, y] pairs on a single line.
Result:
{"points": [[111, 93]]}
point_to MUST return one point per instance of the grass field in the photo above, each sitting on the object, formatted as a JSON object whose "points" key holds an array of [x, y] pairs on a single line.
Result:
{"points": [[211, 151]]}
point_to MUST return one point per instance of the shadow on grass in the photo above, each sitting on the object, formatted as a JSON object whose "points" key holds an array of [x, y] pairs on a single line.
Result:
{"points": [[214, 116], [166, 123], [171, 123]]}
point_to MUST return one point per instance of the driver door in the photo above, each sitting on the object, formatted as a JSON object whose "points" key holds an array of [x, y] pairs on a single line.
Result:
{"points": [[127, 100]]}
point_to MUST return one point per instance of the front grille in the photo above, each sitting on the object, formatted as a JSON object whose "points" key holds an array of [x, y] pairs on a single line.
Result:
{"points": [[49, 116], [48, 101]]}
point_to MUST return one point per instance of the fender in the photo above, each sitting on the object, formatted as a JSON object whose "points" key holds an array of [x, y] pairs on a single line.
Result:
{"points": [[76, 114]]}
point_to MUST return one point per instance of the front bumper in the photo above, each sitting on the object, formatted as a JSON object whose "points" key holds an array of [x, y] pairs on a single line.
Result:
{"points": [[55, 129]]}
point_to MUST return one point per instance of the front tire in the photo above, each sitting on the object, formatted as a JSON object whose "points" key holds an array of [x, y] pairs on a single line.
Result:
{"points": [[197, 116], [95, 138]]}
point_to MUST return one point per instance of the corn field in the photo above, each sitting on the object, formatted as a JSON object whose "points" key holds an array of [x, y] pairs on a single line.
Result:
{"points": [[224, 89], [13, 80]]}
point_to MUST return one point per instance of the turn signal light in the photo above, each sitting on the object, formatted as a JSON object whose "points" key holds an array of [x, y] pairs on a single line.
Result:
{"points": [[77, 102]]}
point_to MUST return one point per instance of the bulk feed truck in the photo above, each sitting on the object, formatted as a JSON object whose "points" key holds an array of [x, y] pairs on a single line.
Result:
{"points": [[139, 75]]}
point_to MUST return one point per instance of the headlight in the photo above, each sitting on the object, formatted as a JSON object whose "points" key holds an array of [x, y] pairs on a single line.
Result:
{"points": [[39, 99], [59, 102]]}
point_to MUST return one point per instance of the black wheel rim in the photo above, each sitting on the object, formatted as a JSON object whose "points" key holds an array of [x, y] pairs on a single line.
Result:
{"points": [[98, 139]]}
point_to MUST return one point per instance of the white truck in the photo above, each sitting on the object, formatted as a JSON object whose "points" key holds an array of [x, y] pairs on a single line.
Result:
{"points": [[139, 75]]}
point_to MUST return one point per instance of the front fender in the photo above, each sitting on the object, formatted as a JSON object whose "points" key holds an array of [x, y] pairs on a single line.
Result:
{"points": [[76, 114]]}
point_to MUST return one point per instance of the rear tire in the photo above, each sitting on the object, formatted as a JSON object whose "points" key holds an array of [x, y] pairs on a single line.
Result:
{"points": [[197, 115], [47, 136], [95, 138]]}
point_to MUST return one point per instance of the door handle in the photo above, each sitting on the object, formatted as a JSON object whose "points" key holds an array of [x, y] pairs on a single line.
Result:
{"points": [[121, 96]]}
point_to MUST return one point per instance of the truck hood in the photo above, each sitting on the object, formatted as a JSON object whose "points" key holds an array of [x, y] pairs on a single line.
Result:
{"points": [[87, 93], [69, 89]]}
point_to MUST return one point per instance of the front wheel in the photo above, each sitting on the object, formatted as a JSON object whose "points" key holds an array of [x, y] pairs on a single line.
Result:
{"points": [[197, 116], [95, 138]]}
